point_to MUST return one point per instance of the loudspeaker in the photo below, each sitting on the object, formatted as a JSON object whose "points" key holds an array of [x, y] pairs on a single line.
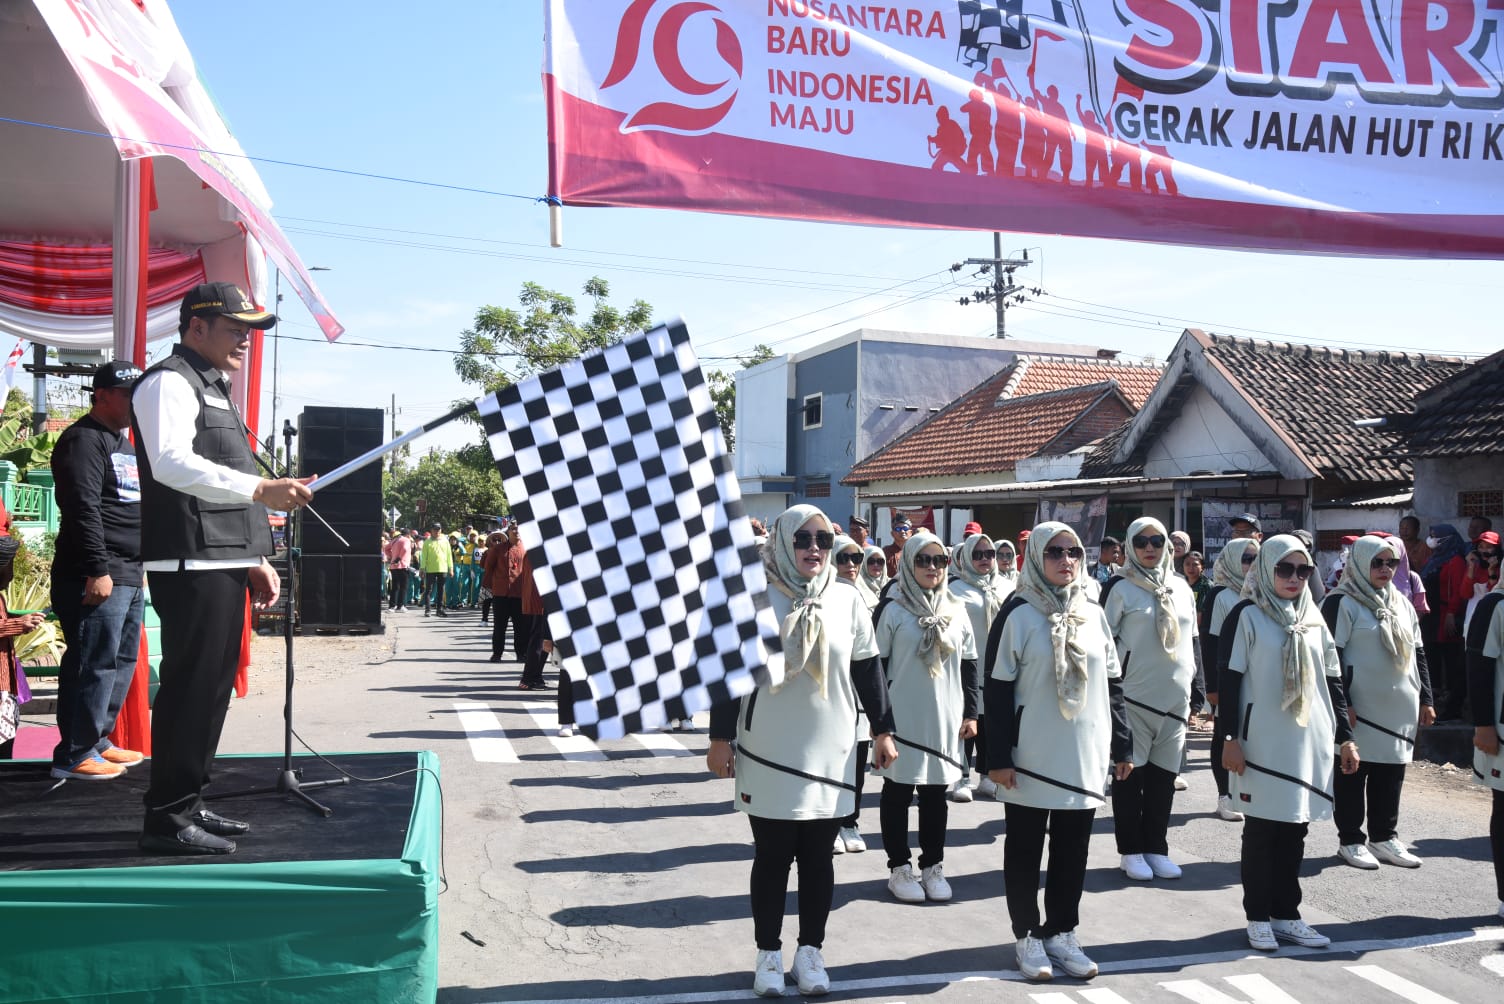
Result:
{"points": [[328, 438], [338, 591]]}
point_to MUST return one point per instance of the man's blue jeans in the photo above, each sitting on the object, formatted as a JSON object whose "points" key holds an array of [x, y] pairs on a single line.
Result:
{"points": [[95, 674]]}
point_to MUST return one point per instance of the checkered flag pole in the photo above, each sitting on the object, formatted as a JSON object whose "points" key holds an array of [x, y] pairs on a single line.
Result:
{"points": [[632, 518]]}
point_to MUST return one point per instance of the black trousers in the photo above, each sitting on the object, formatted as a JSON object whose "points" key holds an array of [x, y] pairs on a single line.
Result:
{"points": [[533, 630], [934, 817], [1381, 783], [433, 591], [1141, 810], [863, 757], [778, 844], [1219, 772], [202, 616], [1496, 839], [976, 749], [1454, 666], [1023, 850], [565, 702], [1272, 852], [506, 610], [397, 595]]}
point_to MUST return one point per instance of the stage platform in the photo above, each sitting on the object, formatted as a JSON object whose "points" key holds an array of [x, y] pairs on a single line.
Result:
{"points": [[309, 908]]}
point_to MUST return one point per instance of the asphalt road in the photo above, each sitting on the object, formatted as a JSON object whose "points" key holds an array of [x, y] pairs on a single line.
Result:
{"points": [[618, 871]]}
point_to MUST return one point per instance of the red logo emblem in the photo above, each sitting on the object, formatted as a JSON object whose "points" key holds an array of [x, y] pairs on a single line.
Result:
{"points": [[676, 100]]}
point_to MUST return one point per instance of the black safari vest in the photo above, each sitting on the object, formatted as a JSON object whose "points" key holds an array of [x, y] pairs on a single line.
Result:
{"points": [[175, 524]]}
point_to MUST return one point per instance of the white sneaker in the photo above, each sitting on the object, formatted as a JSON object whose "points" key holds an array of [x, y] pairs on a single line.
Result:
{"points": [[932, 879], [685, 725], [1136, 868], [1180, 784], [959, 792], [1393, 852], [1065, 951], [809, 971], [565, 731], [767, 978], [1032, 960], [1226, 811], [1299, 932], [839, 847], [987, 787], [853, 840], [904, 886], [1162, 866], [1261, 936], [1357, 855]]}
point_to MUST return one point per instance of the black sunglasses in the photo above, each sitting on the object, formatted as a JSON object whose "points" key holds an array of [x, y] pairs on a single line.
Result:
{"points": [[1287, 570], [1384, 563], [1141, 541], [849, 558], [877, 561], [821, 539], [1073, 553], [1249, 557], [984, 555], [937, 561]]}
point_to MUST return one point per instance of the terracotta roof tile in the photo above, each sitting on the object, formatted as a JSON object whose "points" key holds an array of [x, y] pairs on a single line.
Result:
{"points": [[1460, 416]]}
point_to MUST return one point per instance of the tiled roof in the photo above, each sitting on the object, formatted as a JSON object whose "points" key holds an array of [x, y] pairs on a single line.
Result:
{"points": [[1010, 416], [1310, 395], [1461, 416]]}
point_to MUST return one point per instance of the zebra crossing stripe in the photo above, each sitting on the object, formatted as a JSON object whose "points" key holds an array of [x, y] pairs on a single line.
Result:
{"points": [[577, 747], [488, 743], [1102, 995], [1413, 992], [662, 744]]}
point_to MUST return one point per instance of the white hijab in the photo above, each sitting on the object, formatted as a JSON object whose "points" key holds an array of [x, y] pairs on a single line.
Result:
{"points": [[805, 647], [1065, 608]]}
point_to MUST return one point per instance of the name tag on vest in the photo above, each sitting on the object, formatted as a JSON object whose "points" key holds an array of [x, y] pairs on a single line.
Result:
{"points": [[215, 402]]}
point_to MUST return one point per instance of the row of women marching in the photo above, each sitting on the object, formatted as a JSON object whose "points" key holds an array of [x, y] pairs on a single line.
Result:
{"points": [[1061, 694]]}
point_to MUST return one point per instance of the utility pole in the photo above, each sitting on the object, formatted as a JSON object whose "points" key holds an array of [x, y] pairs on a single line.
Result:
{"points": [[394, 433], [1003, 293]]}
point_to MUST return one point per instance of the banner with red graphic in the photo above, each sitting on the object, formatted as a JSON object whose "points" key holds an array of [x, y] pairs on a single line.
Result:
{"points": [[1368, 127]]}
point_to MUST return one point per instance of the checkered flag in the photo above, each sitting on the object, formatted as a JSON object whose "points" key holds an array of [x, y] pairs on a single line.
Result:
{"points": [[655, 595]]}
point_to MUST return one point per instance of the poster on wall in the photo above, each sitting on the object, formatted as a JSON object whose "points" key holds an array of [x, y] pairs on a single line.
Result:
{"points": [[1088, 517], [1351, 128], [1274, 516]]}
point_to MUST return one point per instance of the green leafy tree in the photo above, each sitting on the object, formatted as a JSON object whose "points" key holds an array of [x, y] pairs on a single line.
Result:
{"points": [[454, 484], [507, 344], [723, 392]]}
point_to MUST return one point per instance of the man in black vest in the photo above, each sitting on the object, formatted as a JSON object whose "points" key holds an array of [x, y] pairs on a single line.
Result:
{"points": [[204, 540]]}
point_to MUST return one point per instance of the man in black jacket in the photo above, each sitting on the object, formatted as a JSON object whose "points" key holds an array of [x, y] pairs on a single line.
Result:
{"points": [[96, 578]]}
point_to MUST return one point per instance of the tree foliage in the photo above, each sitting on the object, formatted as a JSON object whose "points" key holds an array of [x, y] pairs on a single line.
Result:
{"points": [[455, 484], [507, 344], [723, 392]]}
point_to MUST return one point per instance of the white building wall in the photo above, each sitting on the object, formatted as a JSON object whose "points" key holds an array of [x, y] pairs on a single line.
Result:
{"points": [[1202, 439], [1439, 479], [762, 402]]}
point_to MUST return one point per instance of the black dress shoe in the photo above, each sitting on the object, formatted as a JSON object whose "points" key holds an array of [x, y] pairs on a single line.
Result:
{"points": [[188, 840], [219, 825]]}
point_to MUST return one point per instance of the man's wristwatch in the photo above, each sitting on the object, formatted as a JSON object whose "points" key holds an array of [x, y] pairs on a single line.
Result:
{"points": [[1229, 739]]}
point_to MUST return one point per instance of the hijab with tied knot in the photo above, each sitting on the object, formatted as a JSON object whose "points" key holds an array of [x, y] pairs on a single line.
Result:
{"points": [[933, 608], [805, 646], [1007, 559], [1066, 608], [1387, 604], [1296, 617], [1156, 580], [871, 581], [1229, 570], [988, 584], [842, 545]]}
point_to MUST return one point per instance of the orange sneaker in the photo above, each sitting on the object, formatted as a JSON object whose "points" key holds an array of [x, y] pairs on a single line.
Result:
{"points": [[91, 769], [125, 758]]}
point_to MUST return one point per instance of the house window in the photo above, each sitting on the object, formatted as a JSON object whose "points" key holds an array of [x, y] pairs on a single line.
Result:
{"points": [[817, 489], [1471, 504], [1331, 540], [812, 410]]}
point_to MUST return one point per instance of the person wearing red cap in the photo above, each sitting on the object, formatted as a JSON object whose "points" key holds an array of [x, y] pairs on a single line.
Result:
{"points": [[1023, 539]]}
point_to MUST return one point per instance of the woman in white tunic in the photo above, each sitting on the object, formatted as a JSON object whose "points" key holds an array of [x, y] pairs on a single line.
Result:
{"points": [[1281, 711], [1388, 697], [1152, 614], [847, 555], [874, 575], [1007, 565], [1228, 575], [930, 660], [794, 757], [981, 590], [1057, 724], [1485, 666]]}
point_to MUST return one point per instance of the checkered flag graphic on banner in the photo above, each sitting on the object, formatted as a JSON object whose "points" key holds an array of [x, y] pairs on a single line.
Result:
{"points": [[632, 518]]}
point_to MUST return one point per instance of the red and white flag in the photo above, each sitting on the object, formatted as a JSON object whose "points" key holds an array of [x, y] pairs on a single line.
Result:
{"points": [[1339, 128], [12, 368]]}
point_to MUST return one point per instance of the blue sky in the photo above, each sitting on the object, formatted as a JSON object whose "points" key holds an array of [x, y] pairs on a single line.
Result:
{"points": [[450, 94]]}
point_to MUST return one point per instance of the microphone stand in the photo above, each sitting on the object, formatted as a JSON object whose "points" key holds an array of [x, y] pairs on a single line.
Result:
{"points": [[289, 781]]}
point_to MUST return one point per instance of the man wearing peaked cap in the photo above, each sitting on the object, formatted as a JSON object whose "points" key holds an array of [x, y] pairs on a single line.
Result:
{"points": [[204, 539]]}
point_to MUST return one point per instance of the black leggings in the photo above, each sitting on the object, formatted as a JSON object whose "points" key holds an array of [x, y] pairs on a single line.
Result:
{"points": [[1376, 784], [934, 817], [1219, 772], [1023, 850], [863, 757], [979, 744], [1272, 852], [1141, 810], [778, 844], [1496, 838]]}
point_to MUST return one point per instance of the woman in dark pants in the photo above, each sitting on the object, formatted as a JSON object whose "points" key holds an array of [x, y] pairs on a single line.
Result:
{"points": [[1228, 575], [1485, 663]]}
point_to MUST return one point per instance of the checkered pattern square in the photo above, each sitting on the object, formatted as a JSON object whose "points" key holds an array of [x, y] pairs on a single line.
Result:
{"points": [[633, 521]]}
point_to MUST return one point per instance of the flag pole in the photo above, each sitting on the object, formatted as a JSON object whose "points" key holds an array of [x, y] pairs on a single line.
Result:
{"points": [[351, 466]]}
